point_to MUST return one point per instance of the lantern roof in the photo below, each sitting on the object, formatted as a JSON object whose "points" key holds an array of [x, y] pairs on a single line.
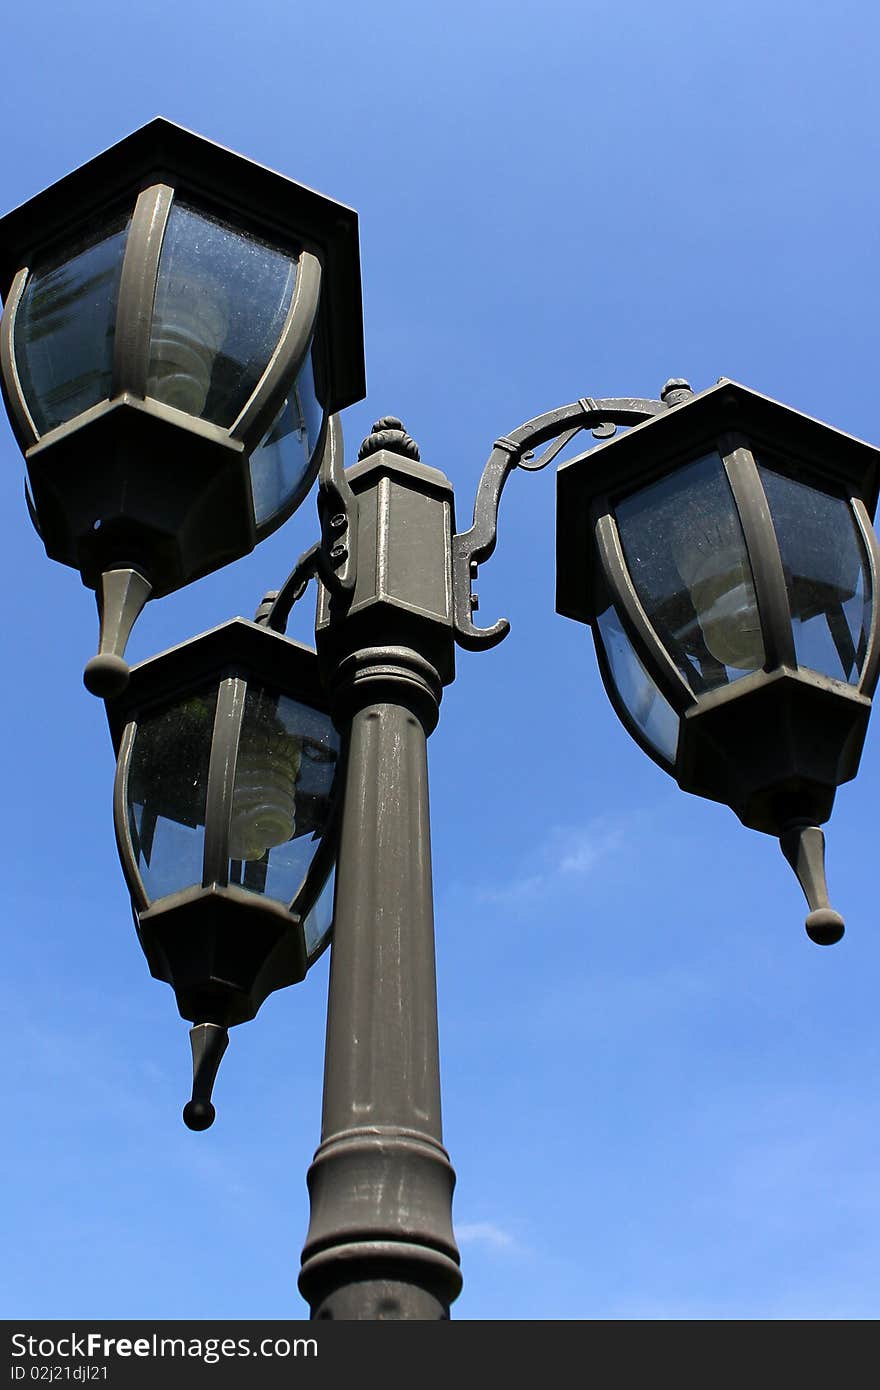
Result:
{"points": [[234, 647], [233, 187], [678, 435]]}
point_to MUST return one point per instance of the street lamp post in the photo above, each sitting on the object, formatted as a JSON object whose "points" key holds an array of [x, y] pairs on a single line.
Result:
{"points": [[380, 1241], [721, 549]]}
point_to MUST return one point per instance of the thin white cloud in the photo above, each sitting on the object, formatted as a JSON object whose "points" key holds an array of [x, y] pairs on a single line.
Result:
{"points": [[518, 890], [487, 1232], [582, 849], [574, 851]]}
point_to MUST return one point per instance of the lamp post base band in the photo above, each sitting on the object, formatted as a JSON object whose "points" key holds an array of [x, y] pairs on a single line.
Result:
{"points": [[380, 1280], [355, 1182], [374, 675], [362, 1231]]}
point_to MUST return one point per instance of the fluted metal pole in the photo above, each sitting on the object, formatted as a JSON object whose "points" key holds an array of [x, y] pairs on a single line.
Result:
{"points": [[380, 1243]]}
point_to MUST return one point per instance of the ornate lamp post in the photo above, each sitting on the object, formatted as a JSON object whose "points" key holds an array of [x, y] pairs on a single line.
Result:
{"points": [[722, 551]]}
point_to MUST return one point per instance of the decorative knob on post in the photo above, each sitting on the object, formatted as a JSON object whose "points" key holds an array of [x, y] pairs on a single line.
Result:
{"points": [[676, 390], [264, 612], [388, 433]]}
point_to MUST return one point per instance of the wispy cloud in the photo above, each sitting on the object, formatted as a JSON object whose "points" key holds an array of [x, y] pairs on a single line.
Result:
{"points": [[524, 888], [486, 1232], [580, 850], [573, 851]]}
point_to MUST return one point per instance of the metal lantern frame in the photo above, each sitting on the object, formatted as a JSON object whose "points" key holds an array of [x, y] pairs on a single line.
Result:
{"points": [[765, 713], [78, 503], [233, 656]]}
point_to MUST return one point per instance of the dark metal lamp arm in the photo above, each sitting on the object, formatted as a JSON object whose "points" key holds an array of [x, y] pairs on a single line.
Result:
{"points": [[471, 548], [333, 559]]}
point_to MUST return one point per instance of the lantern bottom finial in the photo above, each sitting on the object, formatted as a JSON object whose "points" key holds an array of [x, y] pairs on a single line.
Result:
{"points": [[803, 845], [825, 926], [106, 675], [208, 1042], [198, 1114], [121, 598]]}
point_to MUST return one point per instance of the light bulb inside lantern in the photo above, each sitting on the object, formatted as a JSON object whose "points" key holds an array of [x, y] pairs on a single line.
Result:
{"points": [[719, 580], [185, 344], [264, 802]]}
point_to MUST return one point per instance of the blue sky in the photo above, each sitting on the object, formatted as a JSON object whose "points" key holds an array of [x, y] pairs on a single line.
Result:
{"points": [[659, 1096]]}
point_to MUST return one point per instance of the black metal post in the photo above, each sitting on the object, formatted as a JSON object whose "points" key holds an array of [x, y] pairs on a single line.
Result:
{"points": [[380, 1242]]}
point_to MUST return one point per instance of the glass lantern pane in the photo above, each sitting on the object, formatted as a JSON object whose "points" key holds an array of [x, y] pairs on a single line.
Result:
{"points": [[648, 707], [319, 920], [221, 301], [281, 799], [687, 557], [280, 465], [167, 791], [826, 575], [64, 330]]}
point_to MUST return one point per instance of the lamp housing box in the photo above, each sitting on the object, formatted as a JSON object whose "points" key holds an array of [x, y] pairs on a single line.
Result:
{"points": [[127, 483], [222, 947], [772, 743], [403, 591], [132, 478]]}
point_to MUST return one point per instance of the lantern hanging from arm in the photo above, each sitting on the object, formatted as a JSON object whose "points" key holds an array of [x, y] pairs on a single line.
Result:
{"points": [[178, 325], [724, 555], [225, 810]]}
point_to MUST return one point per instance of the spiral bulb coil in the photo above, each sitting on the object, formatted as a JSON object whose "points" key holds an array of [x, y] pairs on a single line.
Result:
{"points": [[264, 803]]}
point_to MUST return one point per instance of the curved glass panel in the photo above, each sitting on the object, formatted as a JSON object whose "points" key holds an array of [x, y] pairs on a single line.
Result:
{"points": [[64, 329], [648, 707], [282, 794], [687, 557], [221, 301], [826, 575], [280, 464], [167, 791], [319, 920]]}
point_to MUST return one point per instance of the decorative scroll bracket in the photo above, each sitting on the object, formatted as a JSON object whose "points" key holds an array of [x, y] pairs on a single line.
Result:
{"points": [[333, 559], [471, 548]]}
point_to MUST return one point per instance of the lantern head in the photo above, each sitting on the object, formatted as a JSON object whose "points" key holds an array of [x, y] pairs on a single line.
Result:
{"points": [[179, 323], [724, 556], [225, 811]]}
